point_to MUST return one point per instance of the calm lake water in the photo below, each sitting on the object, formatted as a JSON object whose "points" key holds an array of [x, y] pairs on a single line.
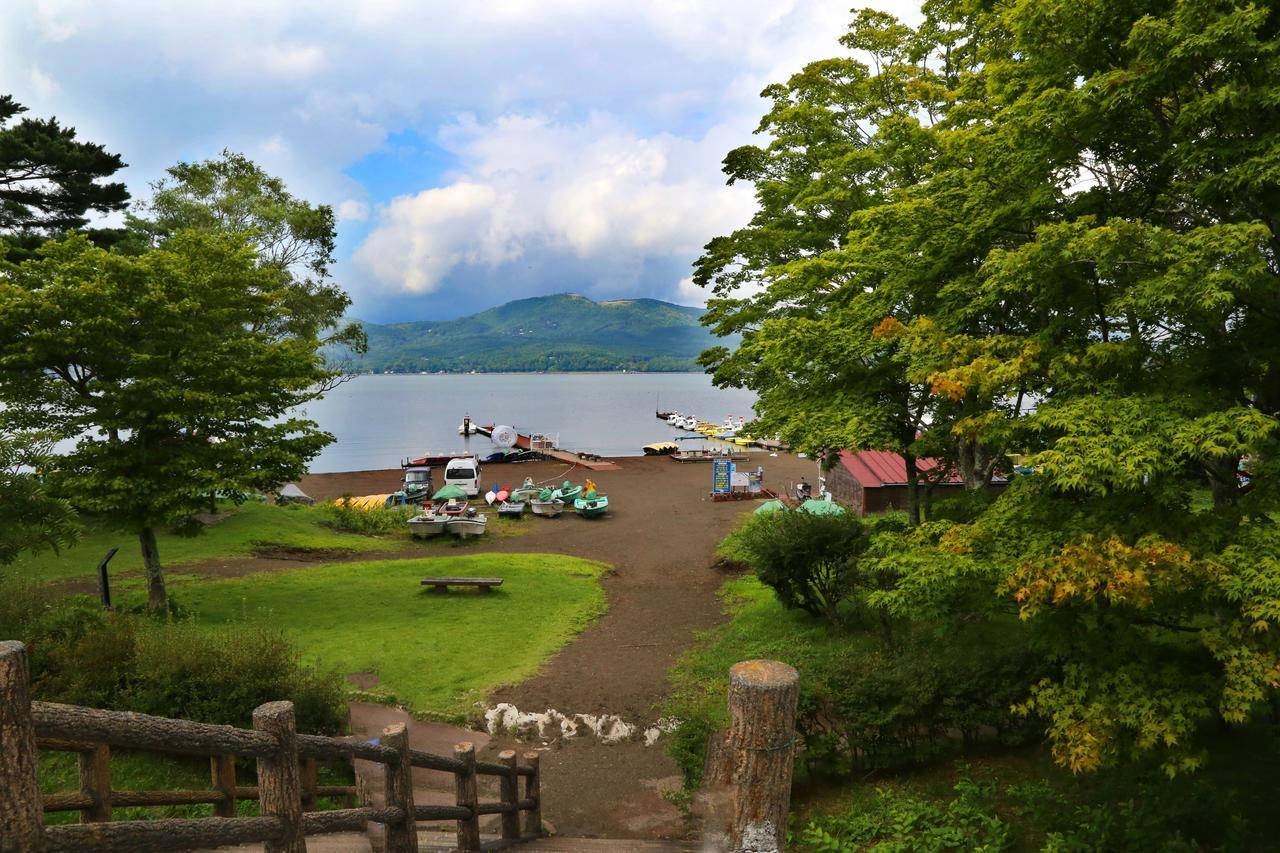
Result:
{"points": [[379, 420]]}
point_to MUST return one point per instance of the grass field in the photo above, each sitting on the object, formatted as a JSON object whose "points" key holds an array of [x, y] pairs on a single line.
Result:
{"points": [[436, 653], [253, 528]]}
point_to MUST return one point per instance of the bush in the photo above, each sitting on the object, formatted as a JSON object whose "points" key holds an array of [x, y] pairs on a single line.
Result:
{"points": [[810, 560], [370, 522], [83, 655], [897, 822]]}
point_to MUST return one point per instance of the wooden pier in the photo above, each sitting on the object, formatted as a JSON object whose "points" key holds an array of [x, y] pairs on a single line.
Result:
{"points": [[526, 442]]}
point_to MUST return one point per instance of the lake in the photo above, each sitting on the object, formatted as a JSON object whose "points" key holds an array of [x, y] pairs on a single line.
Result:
{"points": [[379, 420]]}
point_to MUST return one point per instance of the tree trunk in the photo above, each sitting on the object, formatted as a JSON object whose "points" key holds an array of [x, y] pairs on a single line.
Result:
{"points": [[913, 489], [1223, 481], [157, 601]]}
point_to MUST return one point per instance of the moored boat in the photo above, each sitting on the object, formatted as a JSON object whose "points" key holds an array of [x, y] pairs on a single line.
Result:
{"points": [[549, 508], [660, 448]]}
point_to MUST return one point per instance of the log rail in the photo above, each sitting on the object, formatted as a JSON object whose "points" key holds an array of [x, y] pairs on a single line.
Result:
{"points": [[286, 792]]}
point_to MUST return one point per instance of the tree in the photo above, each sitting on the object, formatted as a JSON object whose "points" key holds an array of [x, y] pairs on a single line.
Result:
{"points": [[233, 195], [1082, 264], [175, 371], [853, 240], [30, 518], [49, 180]]}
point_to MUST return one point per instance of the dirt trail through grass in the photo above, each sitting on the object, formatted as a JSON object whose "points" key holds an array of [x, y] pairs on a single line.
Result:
{"points": [[660, 539]]}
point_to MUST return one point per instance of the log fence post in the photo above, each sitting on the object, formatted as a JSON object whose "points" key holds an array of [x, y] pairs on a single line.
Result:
{"points": [[401, 837], [762, 740], [223, 770], [310, 775], [533, 791], [510, 795], [279, 786], [21, 812], [467, 796], [95, 783]]}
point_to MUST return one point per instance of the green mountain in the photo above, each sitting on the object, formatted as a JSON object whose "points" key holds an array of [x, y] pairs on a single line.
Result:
{"points": [[545, 333]]}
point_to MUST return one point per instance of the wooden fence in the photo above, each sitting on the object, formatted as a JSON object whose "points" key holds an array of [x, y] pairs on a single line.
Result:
{"points": [[286, 791]]}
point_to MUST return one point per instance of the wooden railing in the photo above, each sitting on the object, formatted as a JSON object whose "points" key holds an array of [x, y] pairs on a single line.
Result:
{"points": [[287, 789]]}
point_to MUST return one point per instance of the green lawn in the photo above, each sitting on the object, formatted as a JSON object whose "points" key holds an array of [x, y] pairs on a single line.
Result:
{"points": [[436, 653], [252, 527]]}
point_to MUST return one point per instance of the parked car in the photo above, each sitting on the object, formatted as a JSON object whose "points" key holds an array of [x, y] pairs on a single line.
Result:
{"points": [[463, 472]]}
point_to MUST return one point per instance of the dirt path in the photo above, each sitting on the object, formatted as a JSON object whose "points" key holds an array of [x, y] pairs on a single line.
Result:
{"points": [[660, 537]]}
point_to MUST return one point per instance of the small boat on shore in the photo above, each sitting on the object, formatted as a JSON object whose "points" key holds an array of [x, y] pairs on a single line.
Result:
{"points": [[427, 524], [527, 491], [567, 492], [591, 505], [511, 509], [660, 448], [546, 504], [468, 525]]}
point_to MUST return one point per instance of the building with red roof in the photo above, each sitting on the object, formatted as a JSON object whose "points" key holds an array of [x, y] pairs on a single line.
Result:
{"points": [[870, 481]]}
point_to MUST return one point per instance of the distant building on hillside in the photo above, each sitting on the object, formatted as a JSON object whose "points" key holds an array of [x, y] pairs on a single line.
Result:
{"points": [[869, 481]]}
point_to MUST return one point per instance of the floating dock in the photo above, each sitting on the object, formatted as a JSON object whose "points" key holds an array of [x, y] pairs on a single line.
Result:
{"points": [[543, 445]]}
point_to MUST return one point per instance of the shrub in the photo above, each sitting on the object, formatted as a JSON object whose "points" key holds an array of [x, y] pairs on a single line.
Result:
{"points": [[810, 560], [83, 655], [898, 822], [370, 522]]}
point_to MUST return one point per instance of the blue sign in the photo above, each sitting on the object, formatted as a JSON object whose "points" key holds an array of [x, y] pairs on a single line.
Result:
{"points": [[721, 476]]}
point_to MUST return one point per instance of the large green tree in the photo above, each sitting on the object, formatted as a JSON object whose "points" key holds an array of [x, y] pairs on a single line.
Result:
{"points": [[175, 372], [1082, 264], [233, 195], [49, 179]]}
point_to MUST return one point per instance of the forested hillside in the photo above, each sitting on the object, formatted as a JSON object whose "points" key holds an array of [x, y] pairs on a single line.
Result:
{"points": [[549, 333]]}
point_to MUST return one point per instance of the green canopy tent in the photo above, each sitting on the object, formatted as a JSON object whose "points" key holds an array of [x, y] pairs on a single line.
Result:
{"points": [[450, 493], [818, 507], [770, 506]]}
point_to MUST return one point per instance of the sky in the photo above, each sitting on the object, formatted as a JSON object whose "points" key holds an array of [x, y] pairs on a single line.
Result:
{"points": [[475, 152]]}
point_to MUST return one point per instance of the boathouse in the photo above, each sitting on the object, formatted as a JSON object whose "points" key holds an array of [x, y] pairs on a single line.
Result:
{"points": [[869, 481]]}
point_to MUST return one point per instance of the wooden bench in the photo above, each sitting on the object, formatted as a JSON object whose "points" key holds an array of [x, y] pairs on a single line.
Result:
{"points": [[443, 584]]}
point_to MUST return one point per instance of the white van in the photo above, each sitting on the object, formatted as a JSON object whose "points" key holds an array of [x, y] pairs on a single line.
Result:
{"points": [[463, 472]]}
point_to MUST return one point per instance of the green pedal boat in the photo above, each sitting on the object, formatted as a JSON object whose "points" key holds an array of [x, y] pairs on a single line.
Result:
{"points": [[591, 505]]}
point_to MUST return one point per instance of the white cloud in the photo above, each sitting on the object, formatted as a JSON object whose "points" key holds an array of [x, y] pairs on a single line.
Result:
{"points": [[352, 210], [592, 190], [43, 85]]}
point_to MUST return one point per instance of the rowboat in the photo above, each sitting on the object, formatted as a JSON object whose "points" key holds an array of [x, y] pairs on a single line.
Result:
{"points": [[511, 509], [427, 524], [548, 509], [467, 525], [591, 506]]}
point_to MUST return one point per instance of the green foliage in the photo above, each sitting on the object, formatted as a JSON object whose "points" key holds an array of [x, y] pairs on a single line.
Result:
{"points": [[1038, 227], [49, 180], [176, 373], [83, 655], [904, 824], [367, 522], [811, 560], [30, 518], [565, 332], [863, 704]]}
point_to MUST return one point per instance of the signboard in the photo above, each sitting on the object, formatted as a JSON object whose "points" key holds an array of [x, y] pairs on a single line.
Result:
{"points": [[721, 476], [738, 479]]}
